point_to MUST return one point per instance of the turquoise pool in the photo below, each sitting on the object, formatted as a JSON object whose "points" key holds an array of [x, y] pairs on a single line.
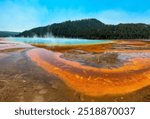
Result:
{"points": [[58, 41]]}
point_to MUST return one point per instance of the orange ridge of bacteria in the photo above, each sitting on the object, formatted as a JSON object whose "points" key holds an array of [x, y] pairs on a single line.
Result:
{"points": [[92, 81]]}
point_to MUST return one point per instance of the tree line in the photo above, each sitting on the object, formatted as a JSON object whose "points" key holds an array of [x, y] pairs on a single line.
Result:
{"points": [[91, 29]]}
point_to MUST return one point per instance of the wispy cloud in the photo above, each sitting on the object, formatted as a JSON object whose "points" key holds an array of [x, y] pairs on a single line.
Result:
{"points": [[119, 16], [18, 17], [23, 15]]}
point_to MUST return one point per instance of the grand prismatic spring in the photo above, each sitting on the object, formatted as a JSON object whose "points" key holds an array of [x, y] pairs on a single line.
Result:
{"points": [[38, 69]]}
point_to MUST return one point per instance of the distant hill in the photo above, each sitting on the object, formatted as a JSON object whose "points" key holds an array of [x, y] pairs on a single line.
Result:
{"points": [[8, 33], [91, 29]]}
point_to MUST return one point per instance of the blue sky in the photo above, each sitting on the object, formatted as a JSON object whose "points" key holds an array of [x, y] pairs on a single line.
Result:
{"points": [[20, 15]]}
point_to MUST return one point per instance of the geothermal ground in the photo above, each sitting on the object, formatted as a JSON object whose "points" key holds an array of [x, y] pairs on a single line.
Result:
{"points": [[116, 71]]}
